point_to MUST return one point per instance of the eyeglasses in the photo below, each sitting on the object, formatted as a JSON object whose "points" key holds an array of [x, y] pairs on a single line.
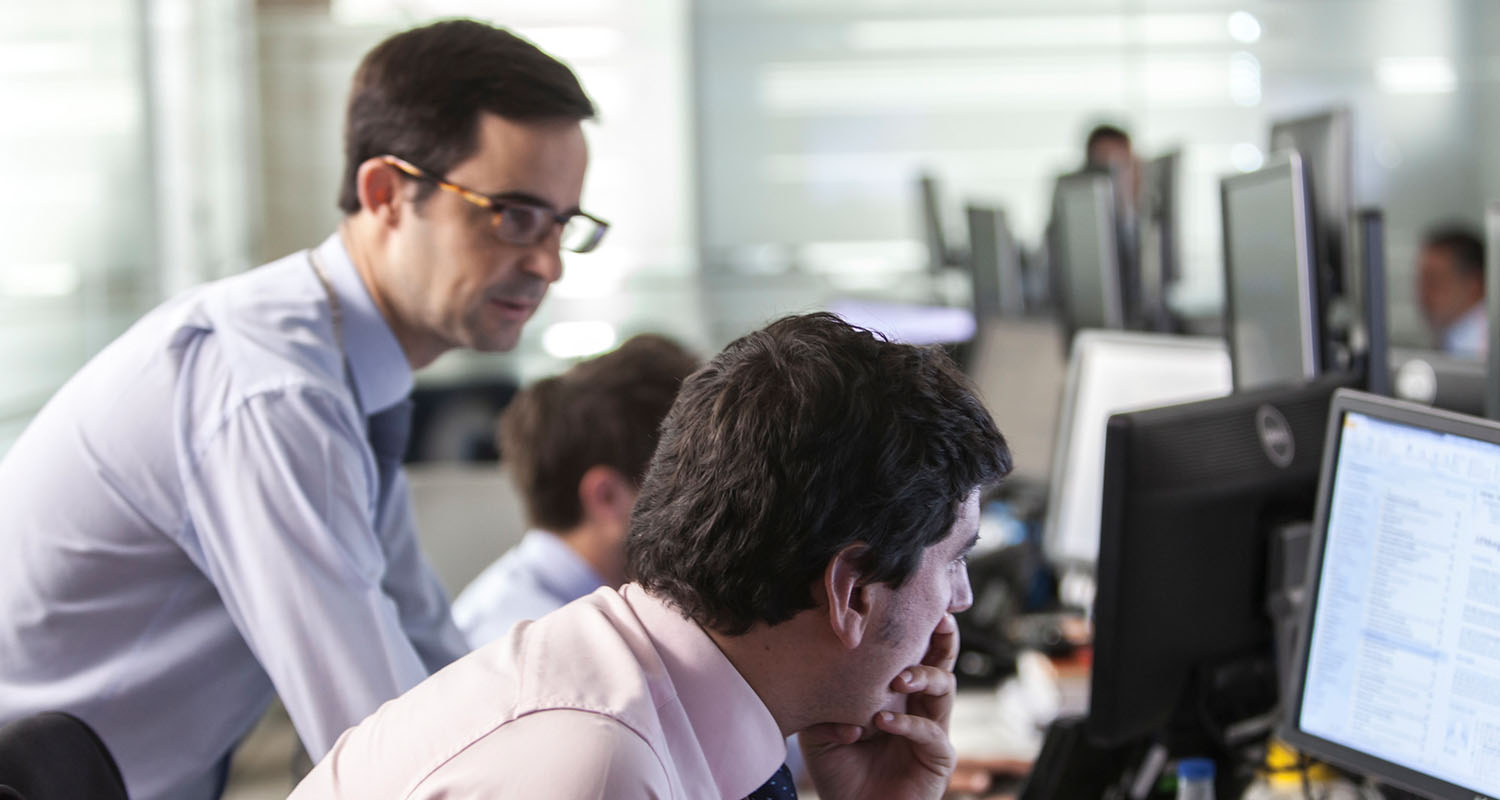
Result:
{"points": [[519, 222]]}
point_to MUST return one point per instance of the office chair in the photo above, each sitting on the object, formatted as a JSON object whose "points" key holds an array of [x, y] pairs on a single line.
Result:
{"points": [[56, 756]]}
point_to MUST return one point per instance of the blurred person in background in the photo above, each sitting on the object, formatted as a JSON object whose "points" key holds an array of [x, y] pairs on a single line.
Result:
{"points": [[1108, 148], [1450, 289], [212, 511], [576, 446]]}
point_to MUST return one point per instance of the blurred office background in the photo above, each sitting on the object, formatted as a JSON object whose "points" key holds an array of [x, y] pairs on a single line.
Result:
{"points": [[755, 157]]}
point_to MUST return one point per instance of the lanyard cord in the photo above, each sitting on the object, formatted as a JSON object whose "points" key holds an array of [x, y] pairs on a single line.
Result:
{"points": [[336, 314]]}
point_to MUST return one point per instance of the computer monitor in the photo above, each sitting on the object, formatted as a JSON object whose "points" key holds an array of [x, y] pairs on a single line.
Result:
{"points": [[1109, 372], [1452, 383], [1019, 369], [1492, 309], [1160, 258], [939, 254], [1375, 312], [995, 264], [1272, 309], [1397, 670], [1086, 252], [1182, 636], [1324, 142]]}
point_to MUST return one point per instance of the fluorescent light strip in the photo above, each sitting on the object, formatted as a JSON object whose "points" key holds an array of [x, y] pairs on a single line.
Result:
{"points": [[37, 58], [1039, 32], [962, 85], [1424, 75], [893, 167], [58, 279]]}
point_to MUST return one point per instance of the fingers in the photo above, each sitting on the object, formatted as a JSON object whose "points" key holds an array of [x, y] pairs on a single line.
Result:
{"points": [[930, 681], [942, 651], [929, 692], [929, 740]]}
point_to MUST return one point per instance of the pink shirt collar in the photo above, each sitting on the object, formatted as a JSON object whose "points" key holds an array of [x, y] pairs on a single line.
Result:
{"points": [[739, 738]]}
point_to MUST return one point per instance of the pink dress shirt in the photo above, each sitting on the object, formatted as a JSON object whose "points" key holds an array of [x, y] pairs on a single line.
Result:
{"points": [[615, 695]]}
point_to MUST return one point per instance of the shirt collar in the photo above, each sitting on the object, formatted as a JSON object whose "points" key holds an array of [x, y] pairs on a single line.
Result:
{"points": [[382, 374], [561, 570], [739, 738]]}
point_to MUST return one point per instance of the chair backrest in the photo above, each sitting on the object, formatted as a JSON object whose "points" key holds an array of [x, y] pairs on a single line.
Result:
{"points": [[52, 756]]}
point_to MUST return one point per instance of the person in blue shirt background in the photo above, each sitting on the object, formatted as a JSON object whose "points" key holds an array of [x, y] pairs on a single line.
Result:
{"points": [[1450, 289], [576, 446]]}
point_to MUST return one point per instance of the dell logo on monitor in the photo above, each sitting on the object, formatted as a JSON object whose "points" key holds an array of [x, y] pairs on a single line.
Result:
{"points": [[1275, 436]]}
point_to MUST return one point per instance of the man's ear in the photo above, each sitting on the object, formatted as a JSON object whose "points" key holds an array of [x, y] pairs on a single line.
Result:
{"points": [[379, 187], [605, 493], [849, 596]]}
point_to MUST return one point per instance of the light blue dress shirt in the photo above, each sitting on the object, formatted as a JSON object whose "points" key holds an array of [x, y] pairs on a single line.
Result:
{"points": [[1469, 334], [539, 575], [190, 525]]}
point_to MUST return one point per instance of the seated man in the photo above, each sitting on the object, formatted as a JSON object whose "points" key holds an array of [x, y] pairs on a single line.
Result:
{"points": [[576, 446], [798, 550], [1450, 289]]}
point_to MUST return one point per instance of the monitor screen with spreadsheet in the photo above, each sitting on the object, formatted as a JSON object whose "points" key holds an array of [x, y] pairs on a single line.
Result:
{"points": [[1398, 662]]}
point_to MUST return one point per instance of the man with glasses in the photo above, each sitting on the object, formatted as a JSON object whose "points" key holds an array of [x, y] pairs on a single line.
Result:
{"points": [[212, 511]]}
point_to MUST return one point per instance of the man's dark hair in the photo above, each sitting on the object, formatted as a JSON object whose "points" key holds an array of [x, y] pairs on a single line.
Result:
{"points": [[795, 442], [606, 411], [1102, 133], [1463, 243], [418, 96]]}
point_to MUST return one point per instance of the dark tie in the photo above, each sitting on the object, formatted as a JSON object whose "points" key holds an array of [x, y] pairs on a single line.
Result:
{"points": [[779, 787], [388, 431]]}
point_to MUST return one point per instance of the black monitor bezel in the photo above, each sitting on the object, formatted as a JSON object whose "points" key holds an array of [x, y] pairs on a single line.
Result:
{"points": [[1309, 297], [1119, 619], [1371, 222], [1492, 309], [1400, 412]]}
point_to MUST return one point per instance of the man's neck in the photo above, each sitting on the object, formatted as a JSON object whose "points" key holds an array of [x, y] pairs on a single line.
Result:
{"points": [[598, 549], [774, 663], [363, 242]]}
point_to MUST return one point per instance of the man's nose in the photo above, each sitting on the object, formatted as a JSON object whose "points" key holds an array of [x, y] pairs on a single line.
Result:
{"points": [[963, 593]]}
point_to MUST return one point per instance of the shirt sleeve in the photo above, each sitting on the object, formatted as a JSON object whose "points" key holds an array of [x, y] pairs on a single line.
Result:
{"points": [[411, 581], [559, 754], [280, 497]]}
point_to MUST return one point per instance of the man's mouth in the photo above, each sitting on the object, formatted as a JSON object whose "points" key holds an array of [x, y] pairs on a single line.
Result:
{"points": [[513, 308]]}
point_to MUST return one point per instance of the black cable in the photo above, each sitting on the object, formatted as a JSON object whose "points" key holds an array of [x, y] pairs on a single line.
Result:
{"points": [[1305, 765]]}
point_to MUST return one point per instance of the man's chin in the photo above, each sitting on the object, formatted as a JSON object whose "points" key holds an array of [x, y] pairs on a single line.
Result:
{"points": [[501, 341]]}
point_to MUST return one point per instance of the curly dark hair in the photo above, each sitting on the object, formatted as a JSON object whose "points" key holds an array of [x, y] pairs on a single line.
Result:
{"points": [[418, 96], [795, 442]]}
